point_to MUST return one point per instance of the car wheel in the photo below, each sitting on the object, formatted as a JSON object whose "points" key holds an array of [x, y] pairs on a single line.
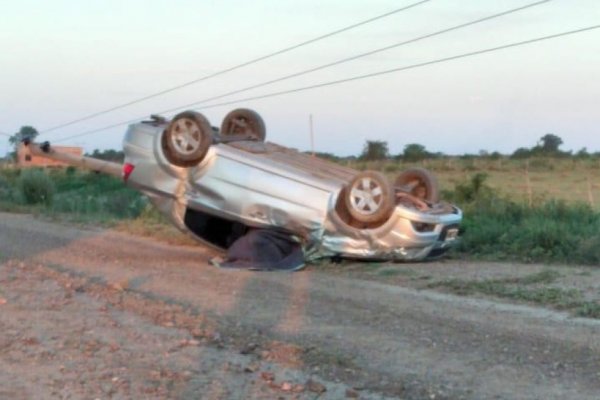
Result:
{"points": [[420, 183], [370, 198], [244, 122], [187, 138]]}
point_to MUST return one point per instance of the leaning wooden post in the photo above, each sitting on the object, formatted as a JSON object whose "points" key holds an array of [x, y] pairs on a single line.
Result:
{"points": [[106, 167]]}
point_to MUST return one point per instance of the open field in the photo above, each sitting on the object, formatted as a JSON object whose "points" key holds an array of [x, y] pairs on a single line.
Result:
{"points": [[571, 180]]}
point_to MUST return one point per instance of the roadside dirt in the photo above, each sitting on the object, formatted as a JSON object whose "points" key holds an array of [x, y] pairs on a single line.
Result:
{"points": [[100, 314]]}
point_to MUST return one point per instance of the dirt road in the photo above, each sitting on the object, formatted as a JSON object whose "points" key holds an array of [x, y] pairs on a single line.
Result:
{"points": [[100, 314]]}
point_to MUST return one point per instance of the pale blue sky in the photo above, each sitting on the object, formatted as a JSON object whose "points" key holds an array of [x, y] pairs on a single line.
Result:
{"points": [[63, 59]]}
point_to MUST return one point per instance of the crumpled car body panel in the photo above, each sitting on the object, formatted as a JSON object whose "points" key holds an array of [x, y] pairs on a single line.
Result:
{"points": [[265, 185]]}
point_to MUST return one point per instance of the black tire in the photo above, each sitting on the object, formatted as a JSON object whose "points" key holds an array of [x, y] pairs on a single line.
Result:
{"points": [[244, 122], [369, 198], [186, 139], [420, 183]]}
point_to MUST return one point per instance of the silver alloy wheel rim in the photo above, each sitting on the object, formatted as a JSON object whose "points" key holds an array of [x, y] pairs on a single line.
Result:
{"points": [[186, 136], [366, 196]]}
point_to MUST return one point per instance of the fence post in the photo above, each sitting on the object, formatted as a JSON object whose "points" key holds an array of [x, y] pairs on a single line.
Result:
{"points": [[528, 184], [590, 192]]}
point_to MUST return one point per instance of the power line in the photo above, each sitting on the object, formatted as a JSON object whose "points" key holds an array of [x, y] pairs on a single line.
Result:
{"points": [[238, 66], [336, 62], [359, 77], [405, 68], [358, 56]]}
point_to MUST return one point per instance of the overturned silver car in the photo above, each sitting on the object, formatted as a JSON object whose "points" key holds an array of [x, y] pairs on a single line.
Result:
{"points": [[218, 184]]}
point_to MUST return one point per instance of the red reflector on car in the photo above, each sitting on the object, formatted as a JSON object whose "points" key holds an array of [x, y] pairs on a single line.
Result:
{"points": [[127, 170]]}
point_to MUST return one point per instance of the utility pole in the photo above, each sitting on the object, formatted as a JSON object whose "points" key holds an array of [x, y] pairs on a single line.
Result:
{"points": [[312, 135]]}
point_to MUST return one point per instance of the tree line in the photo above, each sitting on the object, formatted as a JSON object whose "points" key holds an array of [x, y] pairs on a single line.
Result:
{"points": [[547, 146], [373, 150]]}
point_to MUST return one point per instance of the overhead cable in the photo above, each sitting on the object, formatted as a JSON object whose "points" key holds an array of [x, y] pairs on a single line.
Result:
{"points": [[408, 67], [365, 76], [235, 67], [355, 57]]}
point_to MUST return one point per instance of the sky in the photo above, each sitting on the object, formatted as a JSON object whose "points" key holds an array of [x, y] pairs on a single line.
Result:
{"points": [[61, 60]]}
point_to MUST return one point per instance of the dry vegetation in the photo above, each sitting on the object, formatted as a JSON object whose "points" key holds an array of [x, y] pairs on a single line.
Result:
{"points": [[571, 180]]}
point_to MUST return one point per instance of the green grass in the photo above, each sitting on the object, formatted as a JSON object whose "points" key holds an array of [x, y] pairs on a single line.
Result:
{"points": [[530, 288], [551, 232], [496, 286], [559, 298], [388, 272], [76, 195], [588, 309], [499, 228]]}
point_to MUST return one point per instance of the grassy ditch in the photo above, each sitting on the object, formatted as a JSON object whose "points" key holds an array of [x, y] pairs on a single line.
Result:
{"points": [[498, 228], [86, 198], [535, 288], [69, 194]]}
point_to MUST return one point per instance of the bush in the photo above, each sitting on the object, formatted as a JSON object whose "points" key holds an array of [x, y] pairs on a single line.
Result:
{"points": [[36, 187], [5, 189], [542, 164], [468, 192], [90, 195], [10, 175], [125, 203], [392, 168], [588, 250]]}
